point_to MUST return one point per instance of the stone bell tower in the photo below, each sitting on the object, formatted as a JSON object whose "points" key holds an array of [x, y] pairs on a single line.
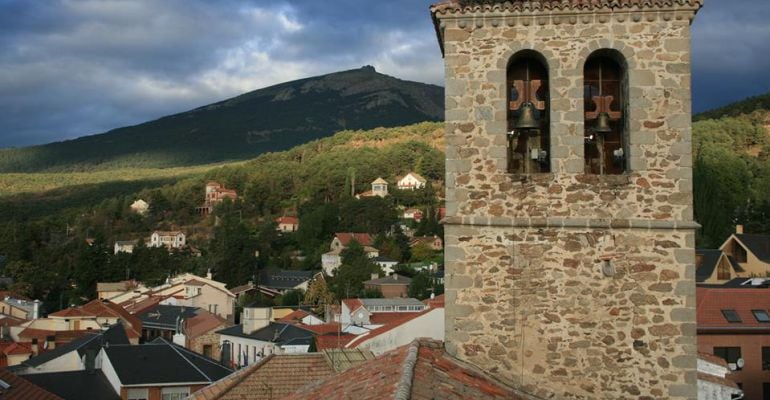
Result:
{"points": [[569, 229]]}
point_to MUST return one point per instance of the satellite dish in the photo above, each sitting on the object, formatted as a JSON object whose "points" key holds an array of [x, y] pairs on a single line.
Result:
{"points": [[740, 363]]}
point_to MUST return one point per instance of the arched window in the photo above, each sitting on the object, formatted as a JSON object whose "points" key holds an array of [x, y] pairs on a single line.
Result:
{"points": [[605, 93], [528, 114]]}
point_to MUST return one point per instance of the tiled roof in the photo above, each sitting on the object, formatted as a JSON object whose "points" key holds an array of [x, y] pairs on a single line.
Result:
{"points": [[18, 348], [195, 282], [417, 177], [166, 316], [284, 279], [322, 329], [353, 304], [383, 318], [202, 324], [389, 326], [116, 286], [364, 239], [276, 332], [333, 341], [287, 220], [712, 301], [22, 389], [420, 370], [243, 288], [71, 312], [108, 309], [380, 181], [712, 359], [273, 378]]}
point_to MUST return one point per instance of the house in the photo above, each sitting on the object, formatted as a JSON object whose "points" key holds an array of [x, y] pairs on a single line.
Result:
{"points": [[301, 317], [258, 336], [390, 286], [333, 259], [167, 239], [13, 387], [433, 242], [287, 224], [190, 327], [714, 382], [108, 290], [363, 312], [281, 280], [268, 380], [388, 265], [403, 328], [733, 323], [71, 356], [165, 321], [200, 334], [379, 189], [82, 384], [72, 322], [158, 370], [183, 290], [19, 307], [411, 181], [125, 246], [413, 214], [750, 252], [714, 266], [140, 207], [215, 193]]}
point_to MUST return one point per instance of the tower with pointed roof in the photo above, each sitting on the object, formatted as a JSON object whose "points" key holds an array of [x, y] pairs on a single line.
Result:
{"points": [[569, 227]]}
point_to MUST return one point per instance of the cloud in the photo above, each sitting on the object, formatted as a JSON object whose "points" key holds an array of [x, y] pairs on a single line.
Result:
{"points": [[74, 67]]}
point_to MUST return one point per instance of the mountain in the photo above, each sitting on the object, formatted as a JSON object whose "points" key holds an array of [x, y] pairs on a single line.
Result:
{"points": [[745, 106], [270, 119]]}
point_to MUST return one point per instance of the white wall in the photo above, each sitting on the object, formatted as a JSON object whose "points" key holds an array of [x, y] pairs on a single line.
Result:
{"points": [[67, 362], [109, 372], [430, 325]]}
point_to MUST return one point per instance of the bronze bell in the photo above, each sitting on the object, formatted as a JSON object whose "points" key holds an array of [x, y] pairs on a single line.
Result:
{"points": [[603, 123], [527, 119]]}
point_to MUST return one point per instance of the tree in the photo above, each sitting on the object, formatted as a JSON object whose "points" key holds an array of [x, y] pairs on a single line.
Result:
{"points": [[422, 285], [291, 298], [318, 295], [356, 268]]}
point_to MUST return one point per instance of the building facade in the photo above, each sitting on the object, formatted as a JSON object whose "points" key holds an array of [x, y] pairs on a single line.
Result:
{"points": [[569, 222]]}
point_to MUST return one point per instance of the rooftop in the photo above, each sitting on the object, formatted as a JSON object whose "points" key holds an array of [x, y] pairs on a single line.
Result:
{"points": [[364, 239], [166, 316], [731, 310], [276, 332], [75, 384], [284, 279], [22, 389], [757, 244], [394, 279], [162, 362], [420, 370]]}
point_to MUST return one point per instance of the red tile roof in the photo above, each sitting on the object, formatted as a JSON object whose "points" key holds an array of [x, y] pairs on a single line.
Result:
{"points": [[422, 370], [13, 295], [353, 304], [272, 378], [108, 309], [71, 312], [22, 389], [203, 323], [18, 348], [364, 239], [195, 282], [321, 329], [711, 302], [389, 326], [287, 220], [381, 318]]}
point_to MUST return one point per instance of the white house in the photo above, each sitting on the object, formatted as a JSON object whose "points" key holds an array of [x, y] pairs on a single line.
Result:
{"points": [[388, 266], [714, 382], [258, 336], [125, 246], [411, 181], [333, 259], [379, 188], [140, 207], [364, 312], [168, 239]]}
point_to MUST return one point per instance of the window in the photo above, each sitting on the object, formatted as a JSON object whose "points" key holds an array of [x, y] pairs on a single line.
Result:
{"points": [[174, 393], [729, 354], [761, 315], [723, 271], [732, 316], [138, 394], [765, 391], [605, 88], [765, 358], [207, 350], [528, 114]]}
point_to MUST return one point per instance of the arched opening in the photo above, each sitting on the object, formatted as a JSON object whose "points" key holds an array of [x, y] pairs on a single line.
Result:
{"points": [[529, 136], [606, 109]]}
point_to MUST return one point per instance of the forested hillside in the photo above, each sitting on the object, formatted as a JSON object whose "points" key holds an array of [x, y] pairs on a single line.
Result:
{"points": [[270, 119]]}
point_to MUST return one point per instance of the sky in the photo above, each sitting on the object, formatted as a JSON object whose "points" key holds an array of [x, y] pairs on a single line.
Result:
{"points": [[70, 68]]}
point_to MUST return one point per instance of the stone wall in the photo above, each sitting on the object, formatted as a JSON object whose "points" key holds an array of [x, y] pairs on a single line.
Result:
{"points": [[527, 298]]}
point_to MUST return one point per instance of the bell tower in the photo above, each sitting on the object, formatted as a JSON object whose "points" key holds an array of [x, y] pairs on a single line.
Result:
{"points": [[569, 229]]}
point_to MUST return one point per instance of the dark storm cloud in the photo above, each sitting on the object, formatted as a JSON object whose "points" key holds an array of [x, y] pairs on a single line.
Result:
{"points": [[75, 67]]}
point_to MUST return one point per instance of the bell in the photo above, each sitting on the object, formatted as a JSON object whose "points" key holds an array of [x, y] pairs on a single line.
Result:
{"points": [[603, 124], [527, 118]]}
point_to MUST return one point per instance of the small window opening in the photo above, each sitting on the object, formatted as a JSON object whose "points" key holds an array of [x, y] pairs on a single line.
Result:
{"points": [[528, 115], [605, 125]]}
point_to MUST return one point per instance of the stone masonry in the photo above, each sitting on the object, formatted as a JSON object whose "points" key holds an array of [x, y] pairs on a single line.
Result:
{"points": [[528, 299]]}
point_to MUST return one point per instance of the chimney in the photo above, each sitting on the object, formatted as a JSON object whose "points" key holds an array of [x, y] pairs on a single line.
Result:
{"points": [[36, 309], [255, 318], [90, 361], [395, 277], [50, 342], [375, 275], [34, 346], [739, 229], [208, 274]]}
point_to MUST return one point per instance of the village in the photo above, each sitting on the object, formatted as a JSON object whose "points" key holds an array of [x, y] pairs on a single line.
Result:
{"points": [[557, 255]]}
